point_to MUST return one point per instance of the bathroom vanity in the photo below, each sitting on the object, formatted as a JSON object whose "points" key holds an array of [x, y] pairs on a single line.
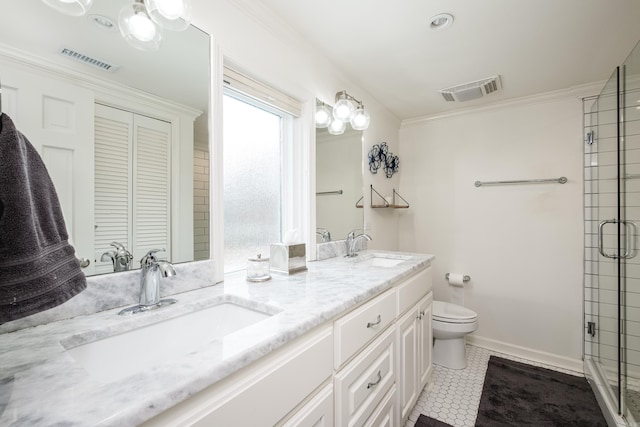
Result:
{"points": [[346, 343]]}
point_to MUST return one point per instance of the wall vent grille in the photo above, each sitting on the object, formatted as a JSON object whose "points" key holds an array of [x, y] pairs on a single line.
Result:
{"points": [[88, 60], [473, 90]]}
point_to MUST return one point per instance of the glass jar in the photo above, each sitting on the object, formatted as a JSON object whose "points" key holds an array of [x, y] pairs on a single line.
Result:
{"points": [[258, 269]]}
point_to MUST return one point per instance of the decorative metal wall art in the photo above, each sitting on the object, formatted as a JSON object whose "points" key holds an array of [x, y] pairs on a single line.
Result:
{"points": [[391, 165], [380, 156]]}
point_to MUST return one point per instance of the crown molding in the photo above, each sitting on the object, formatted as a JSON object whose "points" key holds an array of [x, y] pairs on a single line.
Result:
{"points": [[106, 87]]}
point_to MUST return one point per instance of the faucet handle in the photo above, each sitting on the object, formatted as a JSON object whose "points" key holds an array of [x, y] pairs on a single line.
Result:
{"points": [[353, 232], [117, 245], [150, 256]]}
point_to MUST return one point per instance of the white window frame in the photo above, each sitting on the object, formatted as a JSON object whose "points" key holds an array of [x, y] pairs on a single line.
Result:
{"points": [[295, 163]]}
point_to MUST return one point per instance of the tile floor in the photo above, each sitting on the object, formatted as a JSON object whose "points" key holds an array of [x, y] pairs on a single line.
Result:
{"points": [[453, 395]]}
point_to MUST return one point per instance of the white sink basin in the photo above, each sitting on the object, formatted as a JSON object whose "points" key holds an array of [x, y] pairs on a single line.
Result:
{"points": [[383, 260], [137, 350]]}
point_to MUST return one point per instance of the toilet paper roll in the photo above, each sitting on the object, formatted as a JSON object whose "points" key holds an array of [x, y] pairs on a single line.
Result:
{"points": [[456, 279]]}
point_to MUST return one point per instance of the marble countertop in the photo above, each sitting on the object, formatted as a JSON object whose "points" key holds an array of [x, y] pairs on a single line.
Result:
{"points": [[42, 384]]}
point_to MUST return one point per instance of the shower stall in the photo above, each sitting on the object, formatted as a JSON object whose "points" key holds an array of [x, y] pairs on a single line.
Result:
{"points": [[612, 265]]}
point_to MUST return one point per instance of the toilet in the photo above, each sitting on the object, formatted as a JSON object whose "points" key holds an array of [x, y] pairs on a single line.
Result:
{"points": [[450, 324]]}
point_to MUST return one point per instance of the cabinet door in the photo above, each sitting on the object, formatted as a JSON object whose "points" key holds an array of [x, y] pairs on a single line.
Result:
{"points": [[408, 376], [425, 340]]}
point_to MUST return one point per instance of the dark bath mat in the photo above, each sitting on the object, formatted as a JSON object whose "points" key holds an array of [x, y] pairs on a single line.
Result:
{"points": [[424, 421], [517, 394]]}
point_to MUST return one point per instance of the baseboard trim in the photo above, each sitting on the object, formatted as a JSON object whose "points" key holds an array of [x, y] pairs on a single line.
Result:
{"points": [[575, 365]]}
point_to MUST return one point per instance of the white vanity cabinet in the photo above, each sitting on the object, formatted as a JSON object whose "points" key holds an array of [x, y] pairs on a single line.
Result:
{"points": [[366, 368]]}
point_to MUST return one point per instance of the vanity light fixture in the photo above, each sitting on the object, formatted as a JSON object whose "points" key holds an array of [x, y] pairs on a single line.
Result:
{"points": [[337, 127], [140, 22], [344, 111], [137, 28], [174, 15], [70, 7], [361, 118], [344, 108], [324, 115]]}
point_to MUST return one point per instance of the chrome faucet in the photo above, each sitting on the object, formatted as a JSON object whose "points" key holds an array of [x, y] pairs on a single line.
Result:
{"points": [[120, 257], [352, 239], [152, 270], [324, 233]]}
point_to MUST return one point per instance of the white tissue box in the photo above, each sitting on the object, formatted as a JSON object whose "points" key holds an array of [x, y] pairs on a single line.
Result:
{"points": [[288, 258]]}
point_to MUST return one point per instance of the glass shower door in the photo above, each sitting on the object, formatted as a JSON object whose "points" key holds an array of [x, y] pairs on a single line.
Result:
{"points": [[602, 225], [612, 219]]}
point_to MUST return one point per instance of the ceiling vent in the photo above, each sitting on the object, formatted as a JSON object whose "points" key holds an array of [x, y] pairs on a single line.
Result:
{"points": [[93, 62], [473, 90]]}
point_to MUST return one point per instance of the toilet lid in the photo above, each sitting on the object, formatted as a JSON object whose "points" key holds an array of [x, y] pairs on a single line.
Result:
{"points": [[452, 313]]}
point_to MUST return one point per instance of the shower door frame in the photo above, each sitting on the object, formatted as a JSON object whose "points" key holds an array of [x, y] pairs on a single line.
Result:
{"points": [[613, 267]]}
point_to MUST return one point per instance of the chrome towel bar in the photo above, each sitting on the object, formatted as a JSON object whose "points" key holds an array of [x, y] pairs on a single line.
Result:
{"points": [[326, 193], [561, 180]]}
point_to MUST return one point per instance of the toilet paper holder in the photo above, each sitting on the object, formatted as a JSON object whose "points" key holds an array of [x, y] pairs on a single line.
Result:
{"points": [[465, 279]]}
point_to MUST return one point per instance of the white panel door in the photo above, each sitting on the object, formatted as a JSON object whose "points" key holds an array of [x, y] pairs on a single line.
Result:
{"points": [[57, 118]]}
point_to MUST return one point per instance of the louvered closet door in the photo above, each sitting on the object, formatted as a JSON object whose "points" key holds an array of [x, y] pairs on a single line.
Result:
{"points": [[113, 181], [132, 184], [152, 180]]}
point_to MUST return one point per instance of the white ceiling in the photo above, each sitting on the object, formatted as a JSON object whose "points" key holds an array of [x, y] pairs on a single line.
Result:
{"points": [[535, 46], [178, 71]]}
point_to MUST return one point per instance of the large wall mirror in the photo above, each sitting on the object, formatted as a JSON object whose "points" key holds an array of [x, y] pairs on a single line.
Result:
{"points": [[338, 184], [124, 133]]}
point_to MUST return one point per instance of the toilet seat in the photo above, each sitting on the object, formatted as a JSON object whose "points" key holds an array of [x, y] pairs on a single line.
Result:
{"points": [[452, 313]]}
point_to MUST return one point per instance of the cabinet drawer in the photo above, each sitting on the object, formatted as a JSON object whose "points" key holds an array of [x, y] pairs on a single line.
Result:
{"points": [[414, 288], [318, 412], [385, 413], [365, 381], [360, 326]]}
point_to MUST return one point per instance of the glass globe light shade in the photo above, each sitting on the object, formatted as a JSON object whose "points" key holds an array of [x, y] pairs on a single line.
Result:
{"points": [[343, 110], [70, 7], [324, 116], [137, 28], [173, 15], [360, 119], [337, 127]]}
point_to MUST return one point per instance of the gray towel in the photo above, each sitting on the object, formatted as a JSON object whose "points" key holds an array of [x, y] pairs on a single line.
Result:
{"points": [[38, 267]]}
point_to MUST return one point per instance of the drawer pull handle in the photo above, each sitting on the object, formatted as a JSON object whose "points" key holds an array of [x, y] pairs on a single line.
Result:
{"points": [[421, 315], [376, 323], [371, 385]]}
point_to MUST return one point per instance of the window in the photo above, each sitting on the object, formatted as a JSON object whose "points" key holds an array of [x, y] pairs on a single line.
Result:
{"points": [[253, 156]]}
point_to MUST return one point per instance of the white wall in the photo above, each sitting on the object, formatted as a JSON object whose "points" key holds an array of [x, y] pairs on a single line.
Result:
{"points": [[521, 245], [256, 42]]}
